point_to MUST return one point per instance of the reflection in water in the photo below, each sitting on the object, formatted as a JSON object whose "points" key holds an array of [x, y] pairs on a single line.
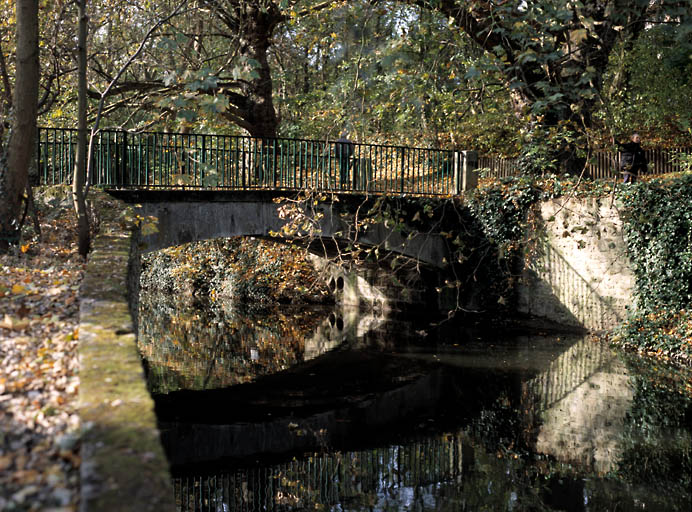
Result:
{"points": [[357, 422], [583, 398], [411, 475], [186, 346]]}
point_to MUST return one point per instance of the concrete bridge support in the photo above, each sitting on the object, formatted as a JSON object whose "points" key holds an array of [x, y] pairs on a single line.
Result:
{"points": [[174, 218], [378, 289]]}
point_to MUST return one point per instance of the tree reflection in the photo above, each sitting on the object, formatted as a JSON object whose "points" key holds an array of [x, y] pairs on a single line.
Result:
{"points": [[189, 346]]}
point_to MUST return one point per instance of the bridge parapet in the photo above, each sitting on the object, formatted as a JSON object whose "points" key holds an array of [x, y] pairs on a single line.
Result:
{"points": [[155, 160]]}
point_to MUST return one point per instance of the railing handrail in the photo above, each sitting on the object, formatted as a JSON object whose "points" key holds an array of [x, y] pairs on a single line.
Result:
{"points": [[607, 161], [197, 134]]}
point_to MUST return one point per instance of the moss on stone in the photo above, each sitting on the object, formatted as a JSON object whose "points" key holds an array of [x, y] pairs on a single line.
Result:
{"points": [[123, 465]]}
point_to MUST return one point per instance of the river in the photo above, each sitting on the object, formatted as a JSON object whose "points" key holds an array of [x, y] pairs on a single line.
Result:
{"points": [[335, 409]]}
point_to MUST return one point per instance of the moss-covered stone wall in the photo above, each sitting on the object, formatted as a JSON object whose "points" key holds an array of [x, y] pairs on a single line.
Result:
{"points": [[123, 463]]}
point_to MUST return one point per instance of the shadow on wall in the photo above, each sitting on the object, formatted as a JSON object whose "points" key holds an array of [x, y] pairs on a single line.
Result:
{"points": [[579, 275], [558, 292]]}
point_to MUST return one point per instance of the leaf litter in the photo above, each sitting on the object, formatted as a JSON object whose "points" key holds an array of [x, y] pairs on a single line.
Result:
{"points": [[39, 377]]}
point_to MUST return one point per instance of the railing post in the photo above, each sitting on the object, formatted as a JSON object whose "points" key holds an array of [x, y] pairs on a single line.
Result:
{"points": [[458, 172], [470, 170], [465, 171]]}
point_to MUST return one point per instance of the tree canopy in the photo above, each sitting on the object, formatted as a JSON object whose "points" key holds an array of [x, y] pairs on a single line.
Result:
{"points": [[494, 76]]}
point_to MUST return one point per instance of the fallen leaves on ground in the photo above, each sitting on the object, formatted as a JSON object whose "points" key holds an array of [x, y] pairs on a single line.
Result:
{"points": [[39, 382]]}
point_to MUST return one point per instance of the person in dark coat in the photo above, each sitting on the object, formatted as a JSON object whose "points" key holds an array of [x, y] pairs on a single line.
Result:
{"points": [[344, 152], [632, 159]]}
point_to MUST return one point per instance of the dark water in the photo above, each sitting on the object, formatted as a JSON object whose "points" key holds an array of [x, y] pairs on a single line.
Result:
{"points": [[335, 410]]}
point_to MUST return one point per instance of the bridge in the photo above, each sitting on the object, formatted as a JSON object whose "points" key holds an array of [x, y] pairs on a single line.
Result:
{"points": [[203, 186]]}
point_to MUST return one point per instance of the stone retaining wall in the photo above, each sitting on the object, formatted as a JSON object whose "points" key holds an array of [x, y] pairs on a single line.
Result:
{"points": [[123, 464], [578, 272]]}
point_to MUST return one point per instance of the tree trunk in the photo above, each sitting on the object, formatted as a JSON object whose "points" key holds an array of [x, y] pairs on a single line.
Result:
{"points": [[259, 23], [15, 157], [79, 177]]}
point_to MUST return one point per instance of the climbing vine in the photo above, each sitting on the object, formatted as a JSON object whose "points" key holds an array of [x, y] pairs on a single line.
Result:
{"points": [[657, 218]]}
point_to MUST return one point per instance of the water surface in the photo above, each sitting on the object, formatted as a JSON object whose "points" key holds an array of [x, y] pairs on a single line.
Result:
{"points": [[334, 410]]}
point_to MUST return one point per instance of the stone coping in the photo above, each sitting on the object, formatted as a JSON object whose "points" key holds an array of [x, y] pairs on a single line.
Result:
{"points": [[123, 463]]}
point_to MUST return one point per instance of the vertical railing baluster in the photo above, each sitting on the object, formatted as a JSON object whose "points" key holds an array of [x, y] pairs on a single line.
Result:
{"points": [[401, 168], [306, 165], [45, 157], [203, 158], [224, 139], [314, 167], [274, 173], [52, 156], [38, 156], [154, 154], [63, 157], [138, 148], [126, 168], [420, 176], [244, 161], [294, 164]]}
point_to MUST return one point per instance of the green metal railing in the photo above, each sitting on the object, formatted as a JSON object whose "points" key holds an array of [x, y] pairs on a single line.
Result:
{"points": [[202, 161], [326, 479]]}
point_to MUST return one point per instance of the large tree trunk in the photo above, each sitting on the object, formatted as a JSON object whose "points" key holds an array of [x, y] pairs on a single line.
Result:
{"points": [[255, 21], [79, 177], [15, 155]]}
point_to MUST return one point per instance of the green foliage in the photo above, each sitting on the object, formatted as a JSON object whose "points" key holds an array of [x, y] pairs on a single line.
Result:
{"points": [[658, 221], [660, 411], [658, 232], [648, 86], [388, 72], [501, 208]]}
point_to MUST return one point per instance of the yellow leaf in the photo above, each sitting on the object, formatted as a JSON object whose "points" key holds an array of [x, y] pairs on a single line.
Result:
{"points": [[25, 248], [17, 289], [149, 228]]}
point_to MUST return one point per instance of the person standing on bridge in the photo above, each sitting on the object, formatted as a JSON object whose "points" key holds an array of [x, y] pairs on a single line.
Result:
{"points": [[632, 159], [344, 151]]}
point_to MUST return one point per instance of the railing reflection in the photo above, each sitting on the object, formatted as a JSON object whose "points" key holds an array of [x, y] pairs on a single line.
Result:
{"points": [[569, 371], [363, 476], [582, 401]]}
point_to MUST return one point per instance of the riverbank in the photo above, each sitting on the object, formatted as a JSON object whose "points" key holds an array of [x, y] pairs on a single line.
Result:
{"points": [[39, 366]]}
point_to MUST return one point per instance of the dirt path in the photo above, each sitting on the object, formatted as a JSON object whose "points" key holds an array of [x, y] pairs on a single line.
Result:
{"points": [[39, 381]]}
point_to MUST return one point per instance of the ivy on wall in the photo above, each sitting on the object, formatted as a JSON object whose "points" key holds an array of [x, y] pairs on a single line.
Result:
{"points": [[657, 217]]}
